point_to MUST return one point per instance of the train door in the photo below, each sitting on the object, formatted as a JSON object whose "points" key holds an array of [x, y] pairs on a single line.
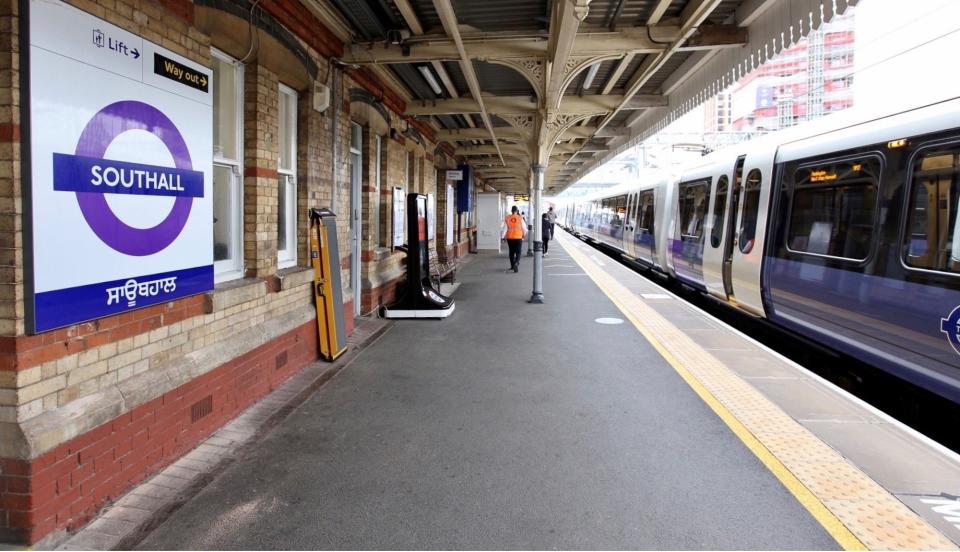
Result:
{"points": [[644, 237], [619, 221], [596, 217], [686, 247], [730, 228], [629, 225], [713, 251], [745, 248]]}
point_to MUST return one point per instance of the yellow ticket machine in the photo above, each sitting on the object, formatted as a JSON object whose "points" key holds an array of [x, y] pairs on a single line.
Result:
{"points": [[327, 288]]}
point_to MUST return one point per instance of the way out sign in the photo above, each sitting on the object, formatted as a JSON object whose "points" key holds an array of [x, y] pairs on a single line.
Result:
{"points": [[121, 170]]}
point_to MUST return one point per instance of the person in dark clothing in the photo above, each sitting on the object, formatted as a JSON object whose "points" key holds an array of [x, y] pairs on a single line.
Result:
{"points": [[546, 228]]}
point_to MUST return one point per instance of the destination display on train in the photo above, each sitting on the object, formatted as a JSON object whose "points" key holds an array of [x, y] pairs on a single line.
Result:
{"points": [[820, 175]]}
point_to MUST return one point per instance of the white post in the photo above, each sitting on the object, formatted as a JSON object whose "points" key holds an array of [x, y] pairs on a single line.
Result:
{"points": [[537, 189]]}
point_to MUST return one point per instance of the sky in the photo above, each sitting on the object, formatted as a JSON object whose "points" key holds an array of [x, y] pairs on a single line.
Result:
{"points": [[905, 57]]}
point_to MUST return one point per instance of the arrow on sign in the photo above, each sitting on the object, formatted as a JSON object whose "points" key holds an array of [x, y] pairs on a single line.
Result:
{"points": [[203, 80], [136, 54]]}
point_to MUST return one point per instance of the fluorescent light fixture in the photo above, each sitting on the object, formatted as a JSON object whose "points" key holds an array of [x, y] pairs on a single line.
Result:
{"points": [[431, 80], [591, 73]]}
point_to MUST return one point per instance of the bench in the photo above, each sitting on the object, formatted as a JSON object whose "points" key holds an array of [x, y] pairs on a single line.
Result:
{"points": [[442, 267]]}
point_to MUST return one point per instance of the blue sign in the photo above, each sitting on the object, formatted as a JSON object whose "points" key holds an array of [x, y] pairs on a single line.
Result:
{"points": [[77, 173], [63, 307]]}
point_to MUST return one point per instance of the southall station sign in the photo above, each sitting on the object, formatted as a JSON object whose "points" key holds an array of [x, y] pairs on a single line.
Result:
{"points": [[121, 164]]}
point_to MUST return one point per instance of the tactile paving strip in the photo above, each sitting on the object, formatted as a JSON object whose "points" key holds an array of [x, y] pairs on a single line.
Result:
{"points": [[852, 507]]}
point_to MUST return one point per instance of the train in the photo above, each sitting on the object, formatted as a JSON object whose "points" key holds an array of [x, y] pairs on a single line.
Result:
{"points": [[843, 231]]}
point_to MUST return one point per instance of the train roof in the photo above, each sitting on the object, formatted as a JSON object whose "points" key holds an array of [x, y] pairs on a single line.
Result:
{"points": [[830, 124]]}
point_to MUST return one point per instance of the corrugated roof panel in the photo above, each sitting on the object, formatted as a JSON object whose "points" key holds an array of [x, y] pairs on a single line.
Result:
{"points": [[411, 77], [628, 72], [619, 119], [723, 11], [427, 15], [603, 73], [633, 13], [637, 12], [489, 15], [574, 87], [494, 79], [601, 11], [653, 85]]}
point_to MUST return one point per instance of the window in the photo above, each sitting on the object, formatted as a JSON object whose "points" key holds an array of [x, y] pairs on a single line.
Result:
{"points": [[645, 214], [693, 209], [227, 164], [834, 206], [719, 210], [751, 211], [287, 171], [606, 209], [375, 208], [933, 235], [619, 211]]}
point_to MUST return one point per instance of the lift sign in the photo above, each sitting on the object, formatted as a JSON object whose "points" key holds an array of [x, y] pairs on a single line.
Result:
{"points": [[120, 170]]}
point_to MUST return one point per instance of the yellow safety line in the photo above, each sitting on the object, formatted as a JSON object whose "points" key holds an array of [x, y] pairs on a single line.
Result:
{"points": [[817, 509]]}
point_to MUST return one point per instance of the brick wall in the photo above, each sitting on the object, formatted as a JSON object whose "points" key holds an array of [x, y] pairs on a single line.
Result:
{"points": [[64, 487], [260, 184]]}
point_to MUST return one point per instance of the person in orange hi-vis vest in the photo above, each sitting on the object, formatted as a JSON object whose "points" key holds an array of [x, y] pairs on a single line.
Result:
{"points": [[514, 229]]}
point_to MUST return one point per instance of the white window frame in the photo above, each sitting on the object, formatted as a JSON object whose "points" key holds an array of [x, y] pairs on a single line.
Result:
{"points": [[232, 269], [287, 177], [375, 219]]}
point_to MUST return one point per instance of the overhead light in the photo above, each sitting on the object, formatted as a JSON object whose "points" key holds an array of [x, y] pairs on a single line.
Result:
{"points": [[431, 80], [591, 74]]}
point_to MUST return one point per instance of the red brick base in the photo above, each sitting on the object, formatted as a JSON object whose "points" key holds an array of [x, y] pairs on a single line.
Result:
{"points": [[384, 294], [65, 487]]}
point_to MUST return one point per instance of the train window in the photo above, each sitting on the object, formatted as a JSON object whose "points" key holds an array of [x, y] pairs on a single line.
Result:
{"points": [[933, 238], [719, 209], [645, 214], [692, 209], [834, 206], [751, 210], [619, 205]]}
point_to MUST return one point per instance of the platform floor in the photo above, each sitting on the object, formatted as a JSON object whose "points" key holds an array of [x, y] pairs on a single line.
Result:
{"points": [[507, 426]]}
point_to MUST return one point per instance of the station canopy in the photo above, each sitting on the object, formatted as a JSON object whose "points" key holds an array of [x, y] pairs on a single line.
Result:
{"points": [[566, 84]]}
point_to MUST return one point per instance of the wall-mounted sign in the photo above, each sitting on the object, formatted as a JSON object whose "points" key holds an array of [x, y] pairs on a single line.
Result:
{"points": [[178, 72], [399, 216], [449, 217], [121, 163], [454, 175], [431, 217]]}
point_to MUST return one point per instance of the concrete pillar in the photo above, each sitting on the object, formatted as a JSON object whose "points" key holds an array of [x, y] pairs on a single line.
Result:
{"points": [[537, 189]]}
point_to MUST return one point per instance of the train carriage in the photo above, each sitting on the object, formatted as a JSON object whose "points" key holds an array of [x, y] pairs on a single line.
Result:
{"points": [[843, 230]]}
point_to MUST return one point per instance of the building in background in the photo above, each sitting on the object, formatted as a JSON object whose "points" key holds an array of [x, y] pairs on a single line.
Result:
{"points": [[810, 79]]}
